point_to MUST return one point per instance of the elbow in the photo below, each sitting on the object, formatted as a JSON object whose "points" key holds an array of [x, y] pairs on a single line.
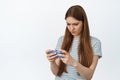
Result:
{"points": [[89, 77], [54, 73]]}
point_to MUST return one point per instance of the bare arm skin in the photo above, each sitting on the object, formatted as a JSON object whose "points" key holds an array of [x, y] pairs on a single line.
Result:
{"points": [[82, 70], [54, 62]]}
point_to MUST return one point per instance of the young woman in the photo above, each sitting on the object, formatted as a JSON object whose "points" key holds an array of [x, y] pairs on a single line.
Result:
{"points": [[81, 51]]}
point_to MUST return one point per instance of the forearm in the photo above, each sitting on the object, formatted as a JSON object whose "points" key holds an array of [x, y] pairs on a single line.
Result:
{"points": [[82, 70], [54, 68]]}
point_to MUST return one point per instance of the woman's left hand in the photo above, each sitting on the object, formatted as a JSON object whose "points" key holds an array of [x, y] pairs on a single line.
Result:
{"points": [[67, 58]]}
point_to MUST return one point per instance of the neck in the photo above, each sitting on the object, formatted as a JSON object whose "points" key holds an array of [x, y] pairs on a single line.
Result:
{"points": [[76, 38]]}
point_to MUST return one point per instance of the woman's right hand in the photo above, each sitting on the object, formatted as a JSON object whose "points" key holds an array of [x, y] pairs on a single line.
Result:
{"points": [[51, 57]]}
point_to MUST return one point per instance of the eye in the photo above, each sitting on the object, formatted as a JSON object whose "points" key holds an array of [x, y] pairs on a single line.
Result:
{"points": [[75, 24]]}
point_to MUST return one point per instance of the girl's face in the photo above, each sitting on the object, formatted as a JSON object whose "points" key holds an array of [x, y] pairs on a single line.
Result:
{"points": [[74, 26]]}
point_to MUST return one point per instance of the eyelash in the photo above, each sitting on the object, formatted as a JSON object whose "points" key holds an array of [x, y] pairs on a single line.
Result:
{"points": [[73, 24]]}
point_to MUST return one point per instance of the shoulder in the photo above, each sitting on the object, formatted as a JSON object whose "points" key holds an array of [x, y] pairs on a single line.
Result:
{"points": [[95, 40], [59, 42], [61, 38], [96, 45]]}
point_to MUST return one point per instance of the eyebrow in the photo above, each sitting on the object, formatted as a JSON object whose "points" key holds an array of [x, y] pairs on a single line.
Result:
{"points": [[73, 23]]}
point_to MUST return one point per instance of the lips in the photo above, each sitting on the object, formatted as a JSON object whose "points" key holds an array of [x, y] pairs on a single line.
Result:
{"points": [[73, 32]]}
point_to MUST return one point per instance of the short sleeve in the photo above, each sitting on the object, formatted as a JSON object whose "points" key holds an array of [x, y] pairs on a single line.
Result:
{"points": [[59, 43], [96, 45]]}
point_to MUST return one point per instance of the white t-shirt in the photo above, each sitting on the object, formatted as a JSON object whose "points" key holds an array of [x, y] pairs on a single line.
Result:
{"points": [[72, 72]]}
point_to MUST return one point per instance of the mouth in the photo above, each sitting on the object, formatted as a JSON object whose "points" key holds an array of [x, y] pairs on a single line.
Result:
{"points": [[73, 32]]}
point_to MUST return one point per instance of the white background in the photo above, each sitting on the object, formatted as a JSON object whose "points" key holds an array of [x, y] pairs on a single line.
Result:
{"points": [[29, 27]]}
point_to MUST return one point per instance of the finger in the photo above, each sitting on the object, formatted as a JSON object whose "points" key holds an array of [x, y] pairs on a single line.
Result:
{"points": [[61, 55], [51, 55], [63, 60], [51, 59], [65, 52], [47, 51]]}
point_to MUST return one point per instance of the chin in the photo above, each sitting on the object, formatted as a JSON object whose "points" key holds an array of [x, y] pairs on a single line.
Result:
{"points": [[73, 34]]}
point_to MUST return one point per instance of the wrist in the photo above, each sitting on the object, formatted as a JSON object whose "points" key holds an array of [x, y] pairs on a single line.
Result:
{"points": [[74, 63], [52, 63]]}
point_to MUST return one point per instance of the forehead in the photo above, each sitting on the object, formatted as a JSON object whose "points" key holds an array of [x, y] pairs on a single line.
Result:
{"points": [[71, 20]]}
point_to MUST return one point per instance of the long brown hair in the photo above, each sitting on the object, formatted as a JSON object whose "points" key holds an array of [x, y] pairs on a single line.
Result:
{"points": [[85, 52]]}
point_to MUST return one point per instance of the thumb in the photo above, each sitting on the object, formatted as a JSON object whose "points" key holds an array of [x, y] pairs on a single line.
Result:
{"points": [[64, 51]]}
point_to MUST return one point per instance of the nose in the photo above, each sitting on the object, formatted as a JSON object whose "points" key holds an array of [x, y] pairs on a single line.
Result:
{"points": [[71, 27]]}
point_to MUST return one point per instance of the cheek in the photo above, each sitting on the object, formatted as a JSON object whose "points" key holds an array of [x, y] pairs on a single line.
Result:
{"points": [[79, 29]]}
